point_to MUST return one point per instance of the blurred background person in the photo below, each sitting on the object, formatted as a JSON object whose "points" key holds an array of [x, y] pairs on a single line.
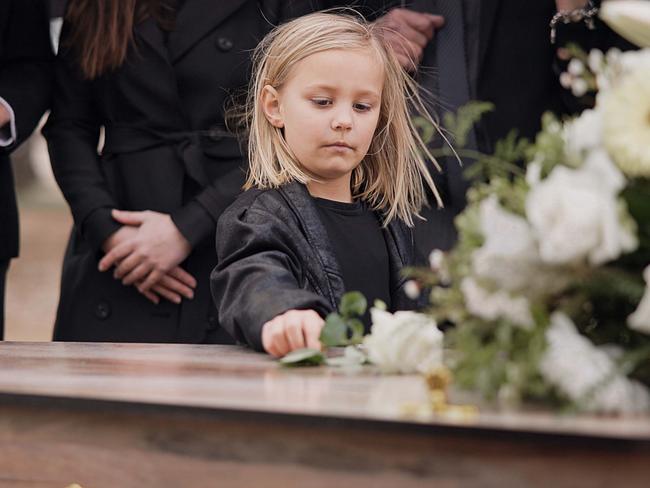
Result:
{"points": [[25, 65], [153, 77]]}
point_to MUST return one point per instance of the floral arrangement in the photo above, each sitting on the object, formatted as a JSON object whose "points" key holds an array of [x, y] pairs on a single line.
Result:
{"points": [[547, 293], [549, 284]]}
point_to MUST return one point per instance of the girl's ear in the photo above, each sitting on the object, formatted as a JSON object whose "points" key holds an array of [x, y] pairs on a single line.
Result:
{"points": [[270, 101]]}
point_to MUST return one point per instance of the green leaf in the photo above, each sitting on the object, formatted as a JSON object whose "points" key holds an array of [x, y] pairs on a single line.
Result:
{"points": [[353, 304], [303, 357], [379, 304], [334, 332], [357, 331]]}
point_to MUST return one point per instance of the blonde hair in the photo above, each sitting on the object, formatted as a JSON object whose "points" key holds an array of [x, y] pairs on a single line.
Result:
{"points": [[391, 176]]}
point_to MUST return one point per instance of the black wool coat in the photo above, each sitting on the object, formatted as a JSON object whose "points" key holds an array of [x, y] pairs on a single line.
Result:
{"points": [[25, 78], [166, 149], [274, 255]]}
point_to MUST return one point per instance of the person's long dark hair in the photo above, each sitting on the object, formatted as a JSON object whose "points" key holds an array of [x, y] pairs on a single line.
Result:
{"points": [[101, 30]]}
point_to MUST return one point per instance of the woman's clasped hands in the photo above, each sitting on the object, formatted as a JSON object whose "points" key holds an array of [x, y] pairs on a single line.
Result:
{"points": [[146, 252]]}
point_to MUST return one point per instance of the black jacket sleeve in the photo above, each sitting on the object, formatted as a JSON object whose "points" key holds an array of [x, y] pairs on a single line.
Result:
{"points": [[72, 134], [26, 63], [259, 274]]}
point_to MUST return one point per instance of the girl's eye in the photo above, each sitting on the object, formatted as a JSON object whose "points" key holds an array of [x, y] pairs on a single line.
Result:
{"points": [[362, 107], [322, 102]]}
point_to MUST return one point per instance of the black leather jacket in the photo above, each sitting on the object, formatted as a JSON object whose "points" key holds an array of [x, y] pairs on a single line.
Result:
{"points": [[273, 255]]}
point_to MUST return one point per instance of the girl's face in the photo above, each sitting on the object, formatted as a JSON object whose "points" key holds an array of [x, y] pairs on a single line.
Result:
{"points": [[329, 107]]}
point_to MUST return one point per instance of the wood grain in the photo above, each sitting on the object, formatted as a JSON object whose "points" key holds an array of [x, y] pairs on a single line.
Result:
{"points": [[130, 415]]}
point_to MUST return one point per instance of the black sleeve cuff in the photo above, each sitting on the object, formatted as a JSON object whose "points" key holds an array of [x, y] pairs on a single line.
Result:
{"points": [[195, 223], [98, 227]]}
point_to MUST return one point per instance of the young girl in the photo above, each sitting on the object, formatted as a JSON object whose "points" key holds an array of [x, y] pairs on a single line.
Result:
{"points": [[336, 178]]}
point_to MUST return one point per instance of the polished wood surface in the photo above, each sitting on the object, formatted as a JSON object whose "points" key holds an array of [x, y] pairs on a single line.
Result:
{"points": [[180, 415]]}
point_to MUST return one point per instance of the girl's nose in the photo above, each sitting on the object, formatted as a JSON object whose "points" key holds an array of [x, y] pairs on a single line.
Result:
{"points": [[342, 120]]}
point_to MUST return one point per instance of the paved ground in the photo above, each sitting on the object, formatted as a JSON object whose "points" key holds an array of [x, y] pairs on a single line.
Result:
{"points": [[33, 280]]}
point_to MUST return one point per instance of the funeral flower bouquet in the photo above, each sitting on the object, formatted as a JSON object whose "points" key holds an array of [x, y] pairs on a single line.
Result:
{"points": [[548, 287]]}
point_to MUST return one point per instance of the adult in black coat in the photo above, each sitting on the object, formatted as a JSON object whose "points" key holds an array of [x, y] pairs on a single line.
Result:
{"points": [[275, 256], [25, 65], [167, 157]]}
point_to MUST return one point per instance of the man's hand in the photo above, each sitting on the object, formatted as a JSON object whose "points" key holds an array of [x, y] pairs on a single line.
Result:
{"points": [[147, 248], [292, 330], [569, 5], [408, 33]]}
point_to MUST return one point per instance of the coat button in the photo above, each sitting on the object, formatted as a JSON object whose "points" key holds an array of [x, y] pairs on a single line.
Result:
{"points": [[102, 310], [213, 322], [224, 44]]}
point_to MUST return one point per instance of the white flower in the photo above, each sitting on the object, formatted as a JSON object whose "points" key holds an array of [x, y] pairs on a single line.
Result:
{"points": [[575, 213], [500, 304], [640, 319], [576, 67], [436, 259], [566, 79], [579, 87], [596, 60], [534, 171], [509, 258], [403, 342], [630, 18], [626, 117], [583, 134], [578, 368], [412, 289]]}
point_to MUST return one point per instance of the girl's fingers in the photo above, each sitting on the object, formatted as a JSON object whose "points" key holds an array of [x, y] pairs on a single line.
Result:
{"points": [[129, 218], [312, 333], [273, 338], [115, 255], [183, 276], [138, 274], [293, 331]]}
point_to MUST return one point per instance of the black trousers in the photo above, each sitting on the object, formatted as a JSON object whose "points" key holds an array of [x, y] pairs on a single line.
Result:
{"points": [[4, 265]]}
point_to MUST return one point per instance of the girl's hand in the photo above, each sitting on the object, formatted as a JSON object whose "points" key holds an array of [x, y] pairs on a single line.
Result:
{"points": [[292, 330], [569, 5], [145, 257], [173, 286]]}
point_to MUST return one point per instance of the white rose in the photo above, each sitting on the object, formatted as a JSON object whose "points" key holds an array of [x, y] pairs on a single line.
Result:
{"points": [[403, 342], [584, 133], [578, 368], [500, 304], [509, 256], [575, 213], [640, 319]]}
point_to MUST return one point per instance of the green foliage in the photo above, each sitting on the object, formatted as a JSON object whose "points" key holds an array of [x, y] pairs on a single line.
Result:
{"points": [[303, 357], [344, 328], [353, 304], [460, 123]]}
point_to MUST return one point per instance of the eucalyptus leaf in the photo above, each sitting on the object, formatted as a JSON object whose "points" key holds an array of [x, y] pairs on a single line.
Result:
{"points": [[334, 332], [356, 326], [303, 357], [379, 304], [353, 304]]}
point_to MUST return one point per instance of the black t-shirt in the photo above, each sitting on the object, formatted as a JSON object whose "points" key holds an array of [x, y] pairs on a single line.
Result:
{"points": [[360, 248]]}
